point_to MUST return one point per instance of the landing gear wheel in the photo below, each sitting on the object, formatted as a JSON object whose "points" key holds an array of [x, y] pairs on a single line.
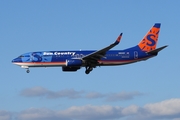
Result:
{"points": [[87, 71], [28, 71]]}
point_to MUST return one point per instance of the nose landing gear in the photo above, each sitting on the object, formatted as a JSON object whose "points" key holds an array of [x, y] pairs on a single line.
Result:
{"points": [[27, 68], [28, 71]]}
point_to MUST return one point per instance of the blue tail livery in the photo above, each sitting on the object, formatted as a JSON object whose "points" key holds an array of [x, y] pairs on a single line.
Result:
{"points": [[90, 59]]}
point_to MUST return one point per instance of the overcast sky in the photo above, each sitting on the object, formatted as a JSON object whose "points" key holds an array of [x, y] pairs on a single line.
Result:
{"points": [[147, 90]]}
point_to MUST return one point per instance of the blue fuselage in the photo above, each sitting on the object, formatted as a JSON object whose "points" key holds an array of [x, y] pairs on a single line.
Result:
{"points": [[59, 58]]}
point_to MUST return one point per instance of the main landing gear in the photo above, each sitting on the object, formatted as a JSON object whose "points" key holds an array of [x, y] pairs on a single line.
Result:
{"points": [[88, 69]]}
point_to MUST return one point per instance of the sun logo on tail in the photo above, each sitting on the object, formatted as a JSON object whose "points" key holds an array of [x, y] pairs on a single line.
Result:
{"points": [[150, 40]]}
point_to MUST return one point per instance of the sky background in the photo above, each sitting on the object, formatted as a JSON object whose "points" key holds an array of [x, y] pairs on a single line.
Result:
{"points": [[148, 90]]}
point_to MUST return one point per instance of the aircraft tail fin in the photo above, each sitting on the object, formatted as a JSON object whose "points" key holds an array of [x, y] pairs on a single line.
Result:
{"points": [[149, 42]]}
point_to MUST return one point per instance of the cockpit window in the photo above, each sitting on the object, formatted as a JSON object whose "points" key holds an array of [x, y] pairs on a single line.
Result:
{"points": [[21, 56], [26, 55]]}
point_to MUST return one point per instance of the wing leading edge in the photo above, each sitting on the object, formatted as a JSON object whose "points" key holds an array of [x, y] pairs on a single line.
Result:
{"points": [[101, 53]]}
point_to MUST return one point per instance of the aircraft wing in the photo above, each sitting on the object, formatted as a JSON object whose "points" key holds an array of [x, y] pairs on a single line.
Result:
{"points": [[101, 53]]}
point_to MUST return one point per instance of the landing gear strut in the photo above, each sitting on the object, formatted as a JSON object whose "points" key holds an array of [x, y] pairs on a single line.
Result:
{"points": [[88, 69]]}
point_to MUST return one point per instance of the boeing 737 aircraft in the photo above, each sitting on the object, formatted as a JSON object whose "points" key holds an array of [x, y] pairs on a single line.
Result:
{"points": [[74, 60]]}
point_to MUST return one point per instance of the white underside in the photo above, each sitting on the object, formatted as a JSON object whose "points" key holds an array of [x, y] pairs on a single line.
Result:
{"points": [[27, 65]]}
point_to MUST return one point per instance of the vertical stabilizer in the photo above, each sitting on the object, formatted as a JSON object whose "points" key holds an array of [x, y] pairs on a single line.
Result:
{"points": [[149, 42]]}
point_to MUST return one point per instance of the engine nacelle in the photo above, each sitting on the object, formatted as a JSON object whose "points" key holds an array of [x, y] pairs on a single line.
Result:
{"points": [[73, 62], [70, 69]]}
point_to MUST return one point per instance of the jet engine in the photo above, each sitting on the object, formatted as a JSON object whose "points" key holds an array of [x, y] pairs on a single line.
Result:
{"points": [[73, 62], [70, 69]]}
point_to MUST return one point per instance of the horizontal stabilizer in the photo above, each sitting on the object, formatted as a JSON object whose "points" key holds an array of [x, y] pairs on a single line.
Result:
{"points": [[155, 52]]}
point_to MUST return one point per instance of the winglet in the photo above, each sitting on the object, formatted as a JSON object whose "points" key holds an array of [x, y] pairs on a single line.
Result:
{"points": [[118, 39]]}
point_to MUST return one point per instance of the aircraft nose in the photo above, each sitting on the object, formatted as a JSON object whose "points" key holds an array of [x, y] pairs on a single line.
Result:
{"points": [[16, 60]]}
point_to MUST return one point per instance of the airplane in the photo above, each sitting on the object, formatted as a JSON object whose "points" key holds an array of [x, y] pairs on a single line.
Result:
{"points": [[71, 61]]}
